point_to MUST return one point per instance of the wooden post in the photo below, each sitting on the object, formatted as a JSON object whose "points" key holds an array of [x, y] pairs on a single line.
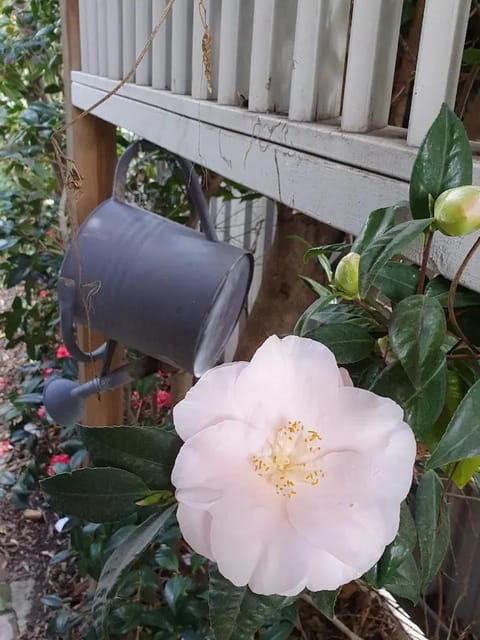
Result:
{"points": [[91, 145]]}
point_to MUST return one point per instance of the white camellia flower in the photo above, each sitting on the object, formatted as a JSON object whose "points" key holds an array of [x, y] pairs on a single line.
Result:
{"points": [[289, 476]]}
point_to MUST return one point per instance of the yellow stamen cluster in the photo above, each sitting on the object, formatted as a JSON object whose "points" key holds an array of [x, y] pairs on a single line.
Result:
{"points": [[291, 456]]}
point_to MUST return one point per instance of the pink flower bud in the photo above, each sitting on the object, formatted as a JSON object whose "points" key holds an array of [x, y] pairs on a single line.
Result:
{"points": [[163, 399], [62, 352], [457, 211]]}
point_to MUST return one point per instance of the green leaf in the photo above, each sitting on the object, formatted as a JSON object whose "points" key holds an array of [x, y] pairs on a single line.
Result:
{"points": [[382, 248], [422, 405], [148, 452], [324, 601], [340, 247], [471, 56], [376, 224], [316, 287], [464, 470], [397, 551], [438, 288], [462, 437], [417, 330], [176, 588], [118, 564], [166, 558], [433, 526], [349, 342], [406, 582], [235, 612], [302, 323], [397, 280], [444, 160], [95, 494]]}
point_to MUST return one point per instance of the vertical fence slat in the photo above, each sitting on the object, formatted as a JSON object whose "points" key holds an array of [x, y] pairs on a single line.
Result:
{"points": [[319, 59], [128, 36], [262, 52], [160, 48], [114, 38], [92, 37], [102, 38], [182, 16], [235, 50], [84, 26], [143, 28], [438, 65], [213, 10], [371, 64]]}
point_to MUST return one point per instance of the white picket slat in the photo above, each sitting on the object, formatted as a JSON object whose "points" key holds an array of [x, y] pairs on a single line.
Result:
{"points": [[92, 37], [114, 39], [143, 28], [235, 51], [128, 36], [84, 26], [438, 65], [102, 37], [372, 54], [212, 15], [319, 59], [262, 52], [182, 16], [161, 47]]}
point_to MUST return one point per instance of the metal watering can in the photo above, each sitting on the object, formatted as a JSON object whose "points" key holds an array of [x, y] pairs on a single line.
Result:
{"points": [[147, 283]]}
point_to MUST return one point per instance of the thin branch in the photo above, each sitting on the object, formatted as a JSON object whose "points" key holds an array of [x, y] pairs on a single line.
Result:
{"points": [[344, 629], [425, 255], [451, 296]]}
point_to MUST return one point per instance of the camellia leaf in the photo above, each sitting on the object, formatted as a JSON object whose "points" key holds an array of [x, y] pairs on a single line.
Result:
{"points": [[324, 601], [235, 612], [444, 160], [422, 405], [433, 526], [119, 562], [438, 288], [417, 330], [406, 581], [382, 248], [375, 225], [148, 452], [301, 326], [462, 438], [397, 280], [340, 247], [349, 342], [95, 494], [464, 470], [396, 552]]}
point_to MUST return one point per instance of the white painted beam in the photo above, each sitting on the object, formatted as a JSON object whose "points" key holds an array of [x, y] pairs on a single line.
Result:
{"points": [[143, 29], [102, 38], [114, 38], [128, 36], [84, 26], [182, 16], [160, 47], [259, 97], [92, 36]]}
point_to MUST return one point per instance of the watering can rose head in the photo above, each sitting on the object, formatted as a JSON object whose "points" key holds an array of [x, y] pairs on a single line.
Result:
{"points": [[457, 211], [289, 476]]}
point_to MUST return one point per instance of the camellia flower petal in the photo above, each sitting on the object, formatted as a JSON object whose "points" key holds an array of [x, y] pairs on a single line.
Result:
{"points": [[289, 477]]}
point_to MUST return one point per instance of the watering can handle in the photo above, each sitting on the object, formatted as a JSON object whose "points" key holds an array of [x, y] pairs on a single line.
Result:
{"points": [[195, 194]]}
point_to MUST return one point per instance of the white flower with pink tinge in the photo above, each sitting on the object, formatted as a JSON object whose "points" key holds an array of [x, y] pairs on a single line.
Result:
{"points": [[290, 477]]}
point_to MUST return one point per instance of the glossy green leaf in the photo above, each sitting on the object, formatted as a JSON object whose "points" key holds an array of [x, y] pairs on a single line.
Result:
{"points": [[118, 564], [166, 558], [349, 342], [417, 331], [464, 470], [340, 247], [148, 452], [316, 287], [95, 494], [376, 224], [397, 551], [302, 324], [406, 581], [438, 288], [324, 601], [422, 405], [235, 612], [433, 526], [397, 280], [382, 249], [462, 437], [444, 160]]}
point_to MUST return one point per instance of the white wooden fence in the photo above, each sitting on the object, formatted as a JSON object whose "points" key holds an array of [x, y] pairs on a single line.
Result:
{"points": [[301, 93]]}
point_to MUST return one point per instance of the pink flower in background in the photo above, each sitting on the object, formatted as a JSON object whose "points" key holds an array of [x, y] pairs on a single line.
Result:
{"points": [[290, 477], [163, 399], [50, 232], [62, 352], [47, 372], [3, 383], [4, 447], [42, 293], [136, 402], [41, 413], [59, 458]]}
